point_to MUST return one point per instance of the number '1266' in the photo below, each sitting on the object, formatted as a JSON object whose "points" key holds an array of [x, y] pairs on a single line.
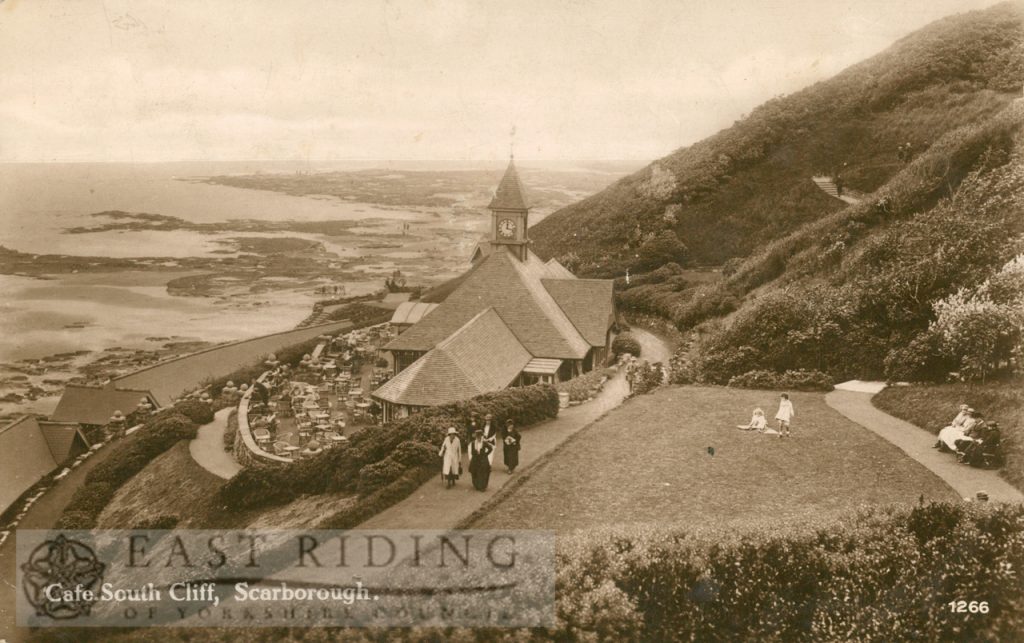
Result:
{"points": [[965, 607]]}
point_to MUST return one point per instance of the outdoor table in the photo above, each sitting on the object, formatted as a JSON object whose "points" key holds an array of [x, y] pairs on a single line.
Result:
{"points": [[362, 405], [291, 448], [261, 435], [281, 447], [310, 404]]}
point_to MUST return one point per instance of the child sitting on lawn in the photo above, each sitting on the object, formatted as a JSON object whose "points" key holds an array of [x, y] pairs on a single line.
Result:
{"points": [[757, 421]]}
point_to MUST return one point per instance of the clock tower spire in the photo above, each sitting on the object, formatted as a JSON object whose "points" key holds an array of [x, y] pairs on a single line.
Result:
{"points": [[510, 211]]}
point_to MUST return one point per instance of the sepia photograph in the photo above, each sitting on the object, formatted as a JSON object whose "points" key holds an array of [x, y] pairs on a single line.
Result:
{"points": [[546, 320]]}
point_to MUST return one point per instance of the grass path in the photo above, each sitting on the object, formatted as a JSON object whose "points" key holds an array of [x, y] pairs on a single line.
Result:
{"points": [[208, 447], [432, 506], [917, 444], [648, 462]]}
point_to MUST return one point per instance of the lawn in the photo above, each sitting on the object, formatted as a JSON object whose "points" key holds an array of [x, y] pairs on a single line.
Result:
{"points": [[649, 461], [934, 406]]}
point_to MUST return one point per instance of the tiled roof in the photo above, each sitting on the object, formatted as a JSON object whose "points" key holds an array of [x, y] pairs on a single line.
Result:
{"points": [[60, 437], [514, 289], [558, 271], [24, 458], [510, 194], [543, 366], [588, 303], [481, 356], [95, 404], [411, 312]]}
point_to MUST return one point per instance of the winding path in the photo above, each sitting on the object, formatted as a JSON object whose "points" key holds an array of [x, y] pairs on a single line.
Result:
{"points": [[853, 399], [208, 447], [432, 506]]}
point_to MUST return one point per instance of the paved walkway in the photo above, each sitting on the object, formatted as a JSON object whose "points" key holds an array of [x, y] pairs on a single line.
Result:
{"points": [[208, 447], [433, 506], [917, 443]]}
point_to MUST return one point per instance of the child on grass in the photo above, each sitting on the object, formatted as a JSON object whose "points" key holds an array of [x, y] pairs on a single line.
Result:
{"points": [[757, 422]]}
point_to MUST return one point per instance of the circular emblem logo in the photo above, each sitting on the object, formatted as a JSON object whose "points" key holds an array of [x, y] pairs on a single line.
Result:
{"points": [[61, 578]]}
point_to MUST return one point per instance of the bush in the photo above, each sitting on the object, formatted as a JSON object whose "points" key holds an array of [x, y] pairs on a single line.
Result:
{"points": [[919, 361], [91, 498], [647, 377], [625, 343], [162, 521], [125, 459], [198, 412], [379, 474], [880, 575], [579, 388], [798, 380], [76, 520]]}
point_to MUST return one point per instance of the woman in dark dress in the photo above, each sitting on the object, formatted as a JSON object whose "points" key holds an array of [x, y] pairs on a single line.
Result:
{"points": [[513, 440], [479, 465]]}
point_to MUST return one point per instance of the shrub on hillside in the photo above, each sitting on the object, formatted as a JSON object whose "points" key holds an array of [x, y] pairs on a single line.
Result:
{"points": [[647, 377], [798, 380], [884, 575], [198, 412], [625, 343], [92, 498], [72, 519], [919, 361], [379, 474]]}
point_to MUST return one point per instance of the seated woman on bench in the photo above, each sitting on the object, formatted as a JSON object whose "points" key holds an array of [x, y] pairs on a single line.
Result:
{"points": [[949, 435]]}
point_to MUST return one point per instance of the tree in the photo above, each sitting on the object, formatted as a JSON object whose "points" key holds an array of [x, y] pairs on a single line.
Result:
{"points": [[659, 250]]}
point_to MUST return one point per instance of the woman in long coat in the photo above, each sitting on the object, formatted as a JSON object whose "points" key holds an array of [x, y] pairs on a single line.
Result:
{"points": [[513, 440], [451, 454], [479, 465]]}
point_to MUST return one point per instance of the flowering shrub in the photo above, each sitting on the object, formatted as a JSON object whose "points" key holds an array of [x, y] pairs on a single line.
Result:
{"points": [[647, 377], [798, 380], [983, 328]]}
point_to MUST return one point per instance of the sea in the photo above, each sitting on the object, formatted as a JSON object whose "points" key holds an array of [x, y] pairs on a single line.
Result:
{"points": [[48, 314]]}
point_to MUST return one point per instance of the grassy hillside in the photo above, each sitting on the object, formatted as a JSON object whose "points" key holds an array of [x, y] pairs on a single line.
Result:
{"points": [[749, 184]]}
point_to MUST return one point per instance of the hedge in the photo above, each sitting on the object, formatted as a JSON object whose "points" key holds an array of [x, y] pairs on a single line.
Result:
{"points": [[884, 574], [797, 380], [579, 388], [625, 343], [127, 457], [407, 442]]}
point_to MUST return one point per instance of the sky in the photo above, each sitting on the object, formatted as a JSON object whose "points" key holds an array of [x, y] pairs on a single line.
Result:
{"points": [[84, 80]]}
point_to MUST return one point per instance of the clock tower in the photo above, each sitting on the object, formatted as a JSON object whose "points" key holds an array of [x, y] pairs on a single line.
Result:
{"points": [[510, 211]]}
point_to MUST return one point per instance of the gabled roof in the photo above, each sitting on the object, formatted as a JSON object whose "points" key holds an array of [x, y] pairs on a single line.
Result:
{"points": [[411, 312], [95, 404], [25, 457], [481, 356], [60, 438], [514, 289], [510, 194], [588, 304], [557, 270]]}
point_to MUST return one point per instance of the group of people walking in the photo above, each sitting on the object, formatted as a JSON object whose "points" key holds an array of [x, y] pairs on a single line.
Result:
{"points": [[482, 443], [784, 416], [975, 441]]}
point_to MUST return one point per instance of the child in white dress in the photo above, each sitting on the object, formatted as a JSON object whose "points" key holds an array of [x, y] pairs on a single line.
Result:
{"points": [[785, 415], [757, 422]]}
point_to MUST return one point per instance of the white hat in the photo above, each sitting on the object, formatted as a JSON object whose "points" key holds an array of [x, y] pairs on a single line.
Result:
{"points": [[452, 431]]}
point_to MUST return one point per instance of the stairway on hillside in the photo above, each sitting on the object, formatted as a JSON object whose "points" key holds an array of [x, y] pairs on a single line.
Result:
{"points": [[828, 186]]}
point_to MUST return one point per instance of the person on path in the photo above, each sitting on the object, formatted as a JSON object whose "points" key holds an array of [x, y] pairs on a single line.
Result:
{"points": [[513, 440], [451, 457], [479, 464], [785, 415], [472, 428], [491, 435]]}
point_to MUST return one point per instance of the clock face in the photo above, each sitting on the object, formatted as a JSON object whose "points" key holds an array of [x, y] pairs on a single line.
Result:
{"points": [[507, 228]]}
